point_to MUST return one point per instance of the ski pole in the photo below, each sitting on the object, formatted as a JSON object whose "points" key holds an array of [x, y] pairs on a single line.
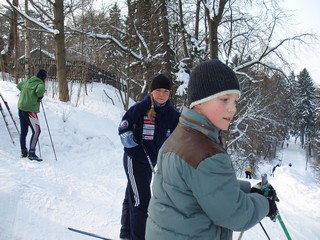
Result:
{"points": [[45, 117], [6, 122], [240, 236], [284, 227], [8, 108], [265, 185], [264, 230], [148, 157]]}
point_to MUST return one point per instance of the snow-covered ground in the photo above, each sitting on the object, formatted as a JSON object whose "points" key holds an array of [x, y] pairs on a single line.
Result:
{"points": [[84, 188]]}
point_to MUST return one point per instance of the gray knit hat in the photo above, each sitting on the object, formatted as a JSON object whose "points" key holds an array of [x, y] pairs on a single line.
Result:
{"points": [[211, 79]]}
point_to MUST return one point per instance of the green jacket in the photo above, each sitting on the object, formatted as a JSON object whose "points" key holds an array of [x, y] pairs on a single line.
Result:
{"points": [[30, 92], [196, 194]]}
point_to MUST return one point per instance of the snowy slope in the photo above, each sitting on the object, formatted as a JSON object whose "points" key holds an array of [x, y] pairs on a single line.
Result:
{"points": [[84, 188]]}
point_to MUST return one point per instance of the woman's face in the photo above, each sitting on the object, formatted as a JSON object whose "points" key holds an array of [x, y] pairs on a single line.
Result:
{"points": [[161, 95], [220, 111]]}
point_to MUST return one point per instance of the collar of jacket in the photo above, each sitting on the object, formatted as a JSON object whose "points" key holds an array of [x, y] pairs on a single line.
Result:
{"points": [[200, 123]]}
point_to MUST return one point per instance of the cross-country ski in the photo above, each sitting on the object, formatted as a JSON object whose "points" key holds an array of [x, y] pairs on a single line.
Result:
{"points": [[88, 233]]}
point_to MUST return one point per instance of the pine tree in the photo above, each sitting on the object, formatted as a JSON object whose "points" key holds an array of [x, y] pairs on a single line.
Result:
{"points": [[305, 107]]}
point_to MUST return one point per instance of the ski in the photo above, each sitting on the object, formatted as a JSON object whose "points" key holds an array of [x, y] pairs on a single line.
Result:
{"points": [[88, 233]]}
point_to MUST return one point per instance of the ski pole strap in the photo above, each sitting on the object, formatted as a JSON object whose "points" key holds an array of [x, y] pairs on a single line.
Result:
{"points": [[284, 227]]}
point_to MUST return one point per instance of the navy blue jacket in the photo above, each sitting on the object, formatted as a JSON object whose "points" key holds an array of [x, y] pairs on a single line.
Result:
{"points": [[154, 131]]}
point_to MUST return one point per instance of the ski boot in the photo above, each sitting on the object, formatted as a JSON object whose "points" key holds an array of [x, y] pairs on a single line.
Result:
{"points": [[24, 153], [33, 156]]}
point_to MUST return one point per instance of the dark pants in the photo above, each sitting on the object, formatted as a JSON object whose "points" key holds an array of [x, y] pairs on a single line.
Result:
{"points": [[248, 174], [29, 119], [274, 168], [136, 201]]}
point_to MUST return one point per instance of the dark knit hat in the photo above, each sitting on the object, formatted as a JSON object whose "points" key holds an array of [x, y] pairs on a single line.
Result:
{"points": [[42, 74], [161, 81], [211, 79]]}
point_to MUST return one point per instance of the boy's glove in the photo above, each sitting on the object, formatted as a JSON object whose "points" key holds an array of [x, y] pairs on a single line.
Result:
{"points": [[268, 191], [273, 210]]}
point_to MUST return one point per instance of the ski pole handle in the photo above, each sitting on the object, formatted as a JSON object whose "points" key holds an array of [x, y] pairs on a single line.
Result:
{"points": [[265, 184], [264, 179]]}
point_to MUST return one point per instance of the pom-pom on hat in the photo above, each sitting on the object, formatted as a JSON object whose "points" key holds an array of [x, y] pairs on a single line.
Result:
{"points": [[161, 81], [211, 79], [42, 74]]}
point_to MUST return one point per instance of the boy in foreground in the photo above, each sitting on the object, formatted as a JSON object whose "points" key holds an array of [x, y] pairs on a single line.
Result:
{"points": [[196, 194]]}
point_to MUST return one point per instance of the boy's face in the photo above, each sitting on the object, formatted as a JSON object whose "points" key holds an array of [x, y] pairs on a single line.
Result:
{"points": [[220, 110]]}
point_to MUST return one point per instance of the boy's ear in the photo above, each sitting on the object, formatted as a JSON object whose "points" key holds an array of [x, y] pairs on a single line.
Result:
{"points": [[197, 107]]}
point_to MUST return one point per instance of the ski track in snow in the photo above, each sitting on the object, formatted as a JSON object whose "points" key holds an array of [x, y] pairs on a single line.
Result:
{"points": [[84, 189]]}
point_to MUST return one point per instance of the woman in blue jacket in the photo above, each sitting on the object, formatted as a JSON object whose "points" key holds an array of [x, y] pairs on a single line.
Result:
{"points": [[143, 130]]}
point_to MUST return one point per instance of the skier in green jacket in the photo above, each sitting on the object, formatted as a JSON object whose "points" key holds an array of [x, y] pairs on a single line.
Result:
{"points": [[196, 194], [31, 93]]}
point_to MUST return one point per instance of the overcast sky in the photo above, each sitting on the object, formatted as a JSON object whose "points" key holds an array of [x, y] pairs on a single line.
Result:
{"points": [[307, 16]]}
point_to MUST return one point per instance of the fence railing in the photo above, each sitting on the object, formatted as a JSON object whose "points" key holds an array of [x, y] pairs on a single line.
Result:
{"points": [[77, 71]]}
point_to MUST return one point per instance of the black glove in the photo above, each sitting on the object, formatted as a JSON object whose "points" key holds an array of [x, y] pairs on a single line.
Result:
{"points": [[137, 135], [268, 191], [273, 210], [40, 98]]}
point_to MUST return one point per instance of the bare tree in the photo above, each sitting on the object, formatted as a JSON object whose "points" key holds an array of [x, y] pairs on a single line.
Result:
{"points": [[58, 32]]}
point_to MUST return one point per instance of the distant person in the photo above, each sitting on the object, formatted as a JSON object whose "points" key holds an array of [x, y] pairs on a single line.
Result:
{"points": [[143, 130], [31, 93], [274, 168], [196, 194], [248, 171], [290, 165]]}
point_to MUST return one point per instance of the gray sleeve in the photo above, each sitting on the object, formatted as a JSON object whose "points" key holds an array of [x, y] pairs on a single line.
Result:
{"points": [[245, 186], [222, 199]]}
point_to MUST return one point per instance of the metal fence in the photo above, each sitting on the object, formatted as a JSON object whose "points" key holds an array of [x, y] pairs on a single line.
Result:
{"points": [[77, 71]]}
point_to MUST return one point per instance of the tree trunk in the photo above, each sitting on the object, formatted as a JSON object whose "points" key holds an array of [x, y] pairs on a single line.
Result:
{"points": [[168, 57], [15, 41], [183, 33], [27, 44], [60, 51], [213, 23]]}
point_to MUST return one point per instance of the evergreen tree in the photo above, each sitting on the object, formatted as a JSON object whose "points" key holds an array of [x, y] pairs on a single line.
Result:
{"points": [[293, 96], [305, 106]]}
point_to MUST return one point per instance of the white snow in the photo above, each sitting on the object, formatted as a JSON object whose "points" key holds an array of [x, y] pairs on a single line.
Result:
{"points": [[84, 188]]}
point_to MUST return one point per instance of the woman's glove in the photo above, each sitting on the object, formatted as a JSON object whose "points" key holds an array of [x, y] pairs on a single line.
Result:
{"points": [[137, 135]]}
